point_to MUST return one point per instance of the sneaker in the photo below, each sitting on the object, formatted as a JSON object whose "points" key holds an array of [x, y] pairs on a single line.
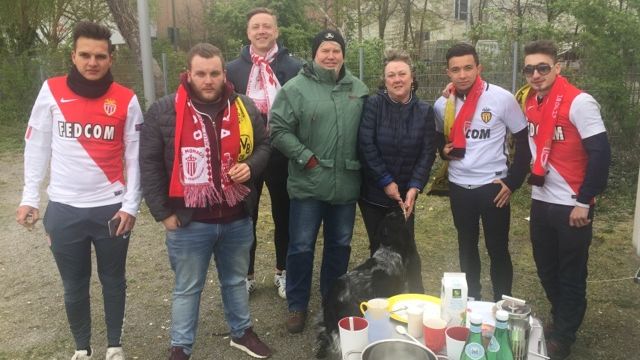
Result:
{"points": [[177, 353], [251, 344], [114, 353], [296, 320], [280, 281], [557, 350], [250, 284], [82, 355]]}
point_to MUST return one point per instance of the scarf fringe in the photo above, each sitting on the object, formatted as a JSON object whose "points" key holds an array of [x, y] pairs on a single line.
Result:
{"points": [[235, 193], [198, 196]]}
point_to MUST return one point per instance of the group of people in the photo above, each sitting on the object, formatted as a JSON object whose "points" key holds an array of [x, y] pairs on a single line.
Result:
{"points": [[322, 144]]}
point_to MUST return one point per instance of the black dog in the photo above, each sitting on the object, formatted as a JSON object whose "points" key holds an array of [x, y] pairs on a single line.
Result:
{"points": [[383, 275]]}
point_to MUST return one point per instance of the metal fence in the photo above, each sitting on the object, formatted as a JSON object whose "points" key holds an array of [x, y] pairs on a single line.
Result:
{"points": [[21, 78]]}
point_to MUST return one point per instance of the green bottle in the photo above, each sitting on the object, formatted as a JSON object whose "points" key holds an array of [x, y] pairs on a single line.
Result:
{"points": [[499, 347], [473, 348]]}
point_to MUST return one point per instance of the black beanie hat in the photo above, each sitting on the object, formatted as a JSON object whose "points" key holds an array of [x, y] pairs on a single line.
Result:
{"points": [[326, 35]]}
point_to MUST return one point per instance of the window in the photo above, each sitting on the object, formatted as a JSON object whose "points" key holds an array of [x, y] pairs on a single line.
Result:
{"points": [[461, 10]]}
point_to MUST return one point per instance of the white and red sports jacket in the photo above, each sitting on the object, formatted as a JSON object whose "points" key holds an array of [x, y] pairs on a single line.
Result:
{"points": [[91, 143]]}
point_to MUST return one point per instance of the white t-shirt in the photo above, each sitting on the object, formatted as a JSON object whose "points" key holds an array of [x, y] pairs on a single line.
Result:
{"points": [[485, 158]]}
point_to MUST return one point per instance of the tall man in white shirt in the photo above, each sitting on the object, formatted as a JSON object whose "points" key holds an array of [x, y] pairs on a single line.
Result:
{"points": [[477, 117], [85, 123], [261, 69]]}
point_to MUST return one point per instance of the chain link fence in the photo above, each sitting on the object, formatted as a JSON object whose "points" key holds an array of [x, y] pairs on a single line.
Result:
{"points": [[22, 77]]}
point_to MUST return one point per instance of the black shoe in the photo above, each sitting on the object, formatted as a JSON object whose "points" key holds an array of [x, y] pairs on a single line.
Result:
{"points": [[557, 350]]}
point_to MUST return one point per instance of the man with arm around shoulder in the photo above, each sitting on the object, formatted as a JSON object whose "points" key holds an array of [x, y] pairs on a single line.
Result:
{"points": [[478, 116], [571, 155]]}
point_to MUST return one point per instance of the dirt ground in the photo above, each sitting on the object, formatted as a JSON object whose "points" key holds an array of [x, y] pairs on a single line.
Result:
{"points": [[33, 322]]}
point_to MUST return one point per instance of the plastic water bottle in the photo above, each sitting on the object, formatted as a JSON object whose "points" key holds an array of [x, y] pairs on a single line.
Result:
{"points": [[499, 347], [473, 348]]}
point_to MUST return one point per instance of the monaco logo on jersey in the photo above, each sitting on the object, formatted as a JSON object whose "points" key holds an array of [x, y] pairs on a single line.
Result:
{"points": [[110, 106]]}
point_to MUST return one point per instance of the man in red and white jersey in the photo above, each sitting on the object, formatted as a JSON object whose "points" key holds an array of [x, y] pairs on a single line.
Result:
{"points": [[85, 128], [472, 125], [571, 157]]}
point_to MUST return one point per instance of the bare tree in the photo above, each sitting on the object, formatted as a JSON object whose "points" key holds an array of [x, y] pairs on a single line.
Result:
{"points": [[125, 17], [407, 33], [384, 9], [421, 31]]}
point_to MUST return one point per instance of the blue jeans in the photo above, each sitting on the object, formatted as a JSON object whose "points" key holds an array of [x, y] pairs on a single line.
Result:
{"points": [[304, 223], [190, 249]]}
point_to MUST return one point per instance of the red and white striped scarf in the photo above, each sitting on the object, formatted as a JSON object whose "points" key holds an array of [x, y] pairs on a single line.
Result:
{"points": [[263, 84]]}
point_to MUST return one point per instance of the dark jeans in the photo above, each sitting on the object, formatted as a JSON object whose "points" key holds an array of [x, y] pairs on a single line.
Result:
{"points": [[72, 231], [275, 176], [561, 253], [468, 207], [337, 227], [372, 216]]}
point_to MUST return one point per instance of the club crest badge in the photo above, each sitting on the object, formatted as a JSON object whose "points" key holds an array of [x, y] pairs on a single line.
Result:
{"points": [[109, 106], [191, 165], [486, 115]]}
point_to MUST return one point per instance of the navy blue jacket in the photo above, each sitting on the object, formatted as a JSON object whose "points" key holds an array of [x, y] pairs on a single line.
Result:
{"points": [[284, 66], [396, 143]]}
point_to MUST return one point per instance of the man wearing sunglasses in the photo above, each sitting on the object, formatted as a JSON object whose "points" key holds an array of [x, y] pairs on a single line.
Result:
{"points": [[571, 155], [472, 124]]}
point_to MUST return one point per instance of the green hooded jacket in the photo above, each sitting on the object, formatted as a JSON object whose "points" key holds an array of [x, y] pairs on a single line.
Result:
{"points": [[316, 114]]}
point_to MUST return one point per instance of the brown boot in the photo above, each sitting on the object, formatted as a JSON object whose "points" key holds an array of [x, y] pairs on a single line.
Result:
{"points": [[296, 320], [177, 353]]}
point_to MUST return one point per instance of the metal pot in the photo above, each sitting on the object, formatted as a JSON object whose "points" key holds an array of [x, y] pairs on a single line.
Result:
{"points": [[397, 349]]}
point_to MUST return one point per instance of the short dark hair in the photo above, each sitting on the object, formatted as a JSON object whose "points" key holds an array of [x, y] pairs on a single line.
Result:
{"points": [[462, 49], [397, 55], [93, 31], [262, 10], [402, 56], [204, 50], [546, 47]]}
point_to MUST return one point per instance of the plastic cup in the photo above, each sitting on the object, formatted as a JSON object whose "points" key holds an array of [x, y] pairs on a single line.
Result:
{"points": [[414, 322], [434, 338], [455, 337]]}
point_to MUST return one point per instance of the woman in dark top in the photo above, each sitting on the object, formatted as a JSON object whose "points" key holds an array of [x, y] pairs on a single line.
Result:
{"points": [[397, 149]]}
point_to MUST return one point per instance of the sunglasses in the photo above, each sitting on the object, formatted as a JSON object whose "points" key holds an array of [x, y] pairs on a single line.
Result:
{"points": [[543, 69]]}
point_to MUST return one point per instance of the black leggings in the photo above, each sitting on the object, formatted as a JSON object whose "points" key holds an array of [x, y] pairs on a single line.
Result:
{"points": [[72, 231], [275, 176], [468, 207]]}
